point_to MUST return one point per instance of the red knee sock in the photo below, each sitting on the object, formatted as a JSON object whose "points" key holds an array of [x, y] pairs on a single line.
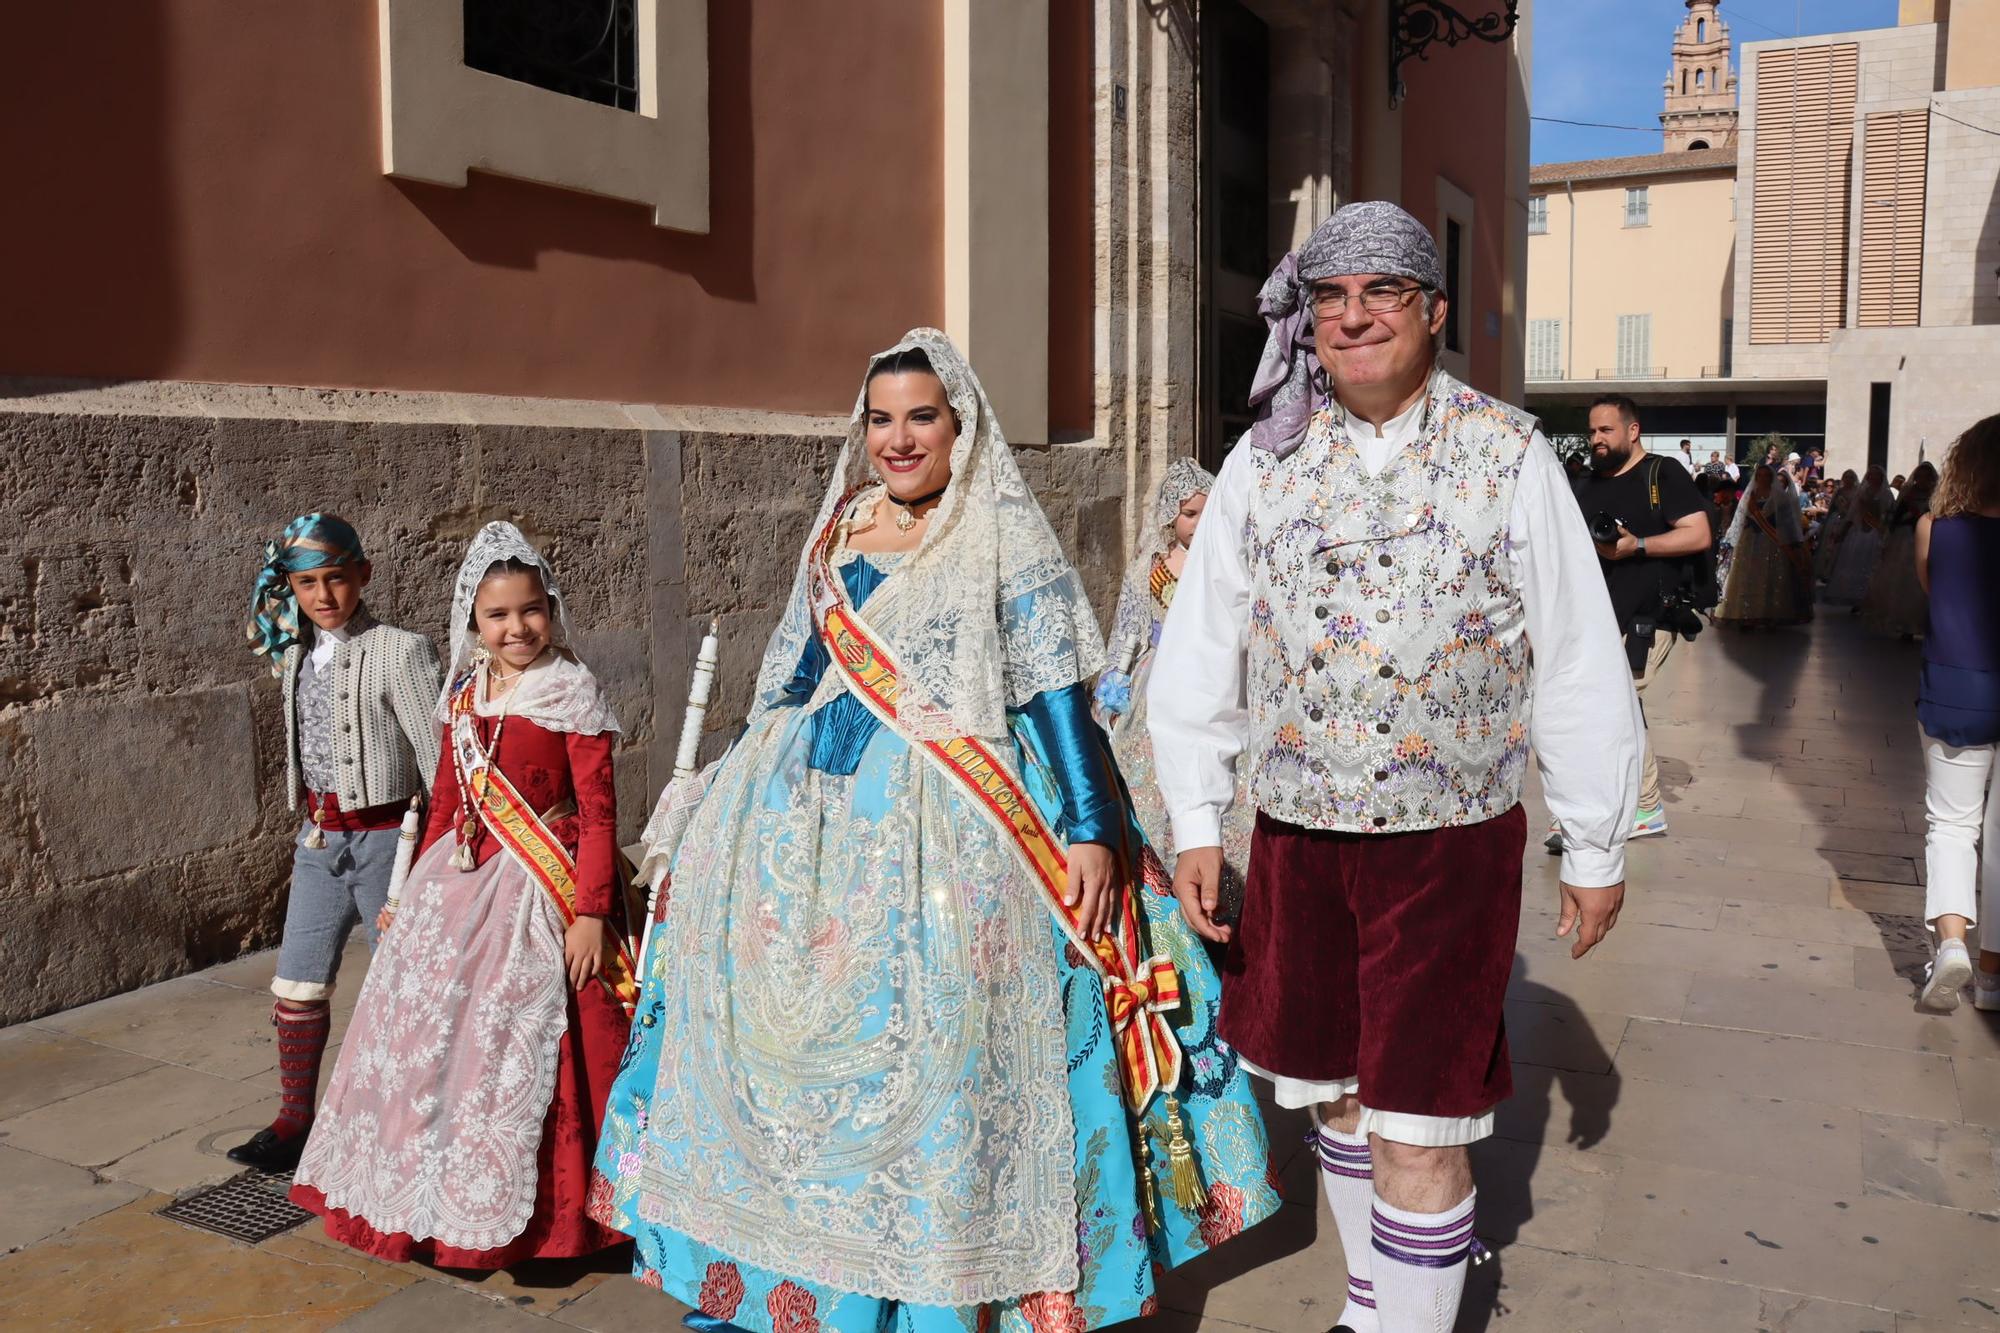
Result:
{"points": [[302, 1035]]}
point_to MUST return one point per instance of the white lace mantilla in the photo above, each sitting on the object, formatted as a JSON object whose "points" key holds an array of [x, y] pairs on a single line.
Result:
{"points": [[988, 544]]}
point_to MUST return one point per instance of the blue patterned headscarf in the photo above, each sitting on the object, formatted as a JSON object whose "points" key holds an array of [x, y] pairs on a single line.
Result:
{"points": [[310, 541]]}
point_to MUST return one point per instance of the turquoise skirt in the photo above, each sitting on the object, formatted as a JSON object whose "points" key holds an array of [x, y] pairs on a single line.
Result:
{"points": [[1119, 1253]]}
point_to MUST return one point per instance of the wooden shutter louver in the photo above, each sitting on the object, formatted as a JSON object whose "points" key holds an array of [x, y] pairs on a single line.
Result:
{"points": [[1798, 229], [1895, 147]]}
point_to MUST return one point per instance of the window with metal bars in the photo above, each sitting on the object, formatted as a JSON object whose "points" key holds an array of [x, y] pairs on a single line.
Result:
{"points": [[1538, 214], [579, 48]]}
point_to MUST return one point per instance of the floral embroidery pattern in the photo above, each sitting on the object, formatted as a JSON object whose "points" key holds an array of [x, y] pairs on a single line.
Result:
{"points": [[722, 1290], [792, 1309], [434, 1116], [1222, 1216], [597, 1203], [1053, 1312], [1388, 654]]}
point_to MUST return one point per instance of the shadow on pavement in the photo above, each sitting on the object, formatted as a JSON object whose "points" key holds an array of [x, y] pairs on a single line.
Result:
{"points": [[1504, 1167]]}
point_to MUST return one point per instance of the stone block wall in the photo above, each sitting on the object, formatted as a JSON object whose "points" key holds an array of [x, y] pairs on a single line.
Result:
{"points": [[143, 828]]}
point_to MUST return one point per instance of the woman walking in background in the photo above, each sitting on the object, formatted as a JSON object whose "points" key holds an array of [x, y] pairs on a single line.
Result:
{"points": [[1958, 707], [1767, 563], [1895, 600], [1861, 541]]}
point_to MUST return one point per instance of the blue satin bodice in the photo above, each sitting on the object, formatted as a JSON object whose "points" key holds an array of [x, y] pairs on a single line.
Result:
{"points": [[1058, 726]]}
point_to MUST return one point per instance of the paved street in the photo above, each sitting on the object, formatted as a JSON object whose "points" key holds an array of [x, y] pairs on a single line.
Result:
{"points": [[1730, 1117]]}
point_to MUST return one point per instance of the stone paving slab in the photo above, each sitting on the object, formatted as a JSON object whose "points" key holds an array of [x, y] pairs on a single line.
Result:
{"points": [[1731, 1116]]}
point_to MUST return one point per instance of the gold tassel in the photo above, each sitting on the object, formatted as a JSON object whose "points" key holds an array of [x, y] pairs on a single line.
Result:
{"points": [[316, 839], [1185, 1176], [1151, 1188]]}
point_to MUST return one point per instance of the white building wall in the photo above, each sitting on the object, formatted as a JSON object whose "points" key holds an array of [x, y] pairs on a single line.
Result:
{"points": [[1943, 379], [1962, 210]]}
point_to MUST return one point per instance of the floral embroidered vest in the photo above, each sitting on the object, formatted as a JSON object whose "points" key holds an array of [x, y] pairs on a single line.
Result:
{"points": [[1388, 653]]}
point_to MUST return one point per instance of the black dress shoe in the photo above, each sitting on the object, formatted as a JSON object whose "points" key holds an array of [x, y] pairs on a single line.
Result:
{"points": [[267, 1152]]}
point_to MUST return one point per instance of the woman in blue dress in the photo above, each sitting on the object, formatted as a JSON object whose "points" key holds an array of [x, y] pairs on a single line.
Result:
{"points": [[923, 1044]]}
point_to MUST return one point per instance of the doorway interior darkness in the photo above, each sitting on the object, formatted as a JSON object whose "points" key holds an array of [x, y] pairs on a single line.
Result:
{"points": [[1234, 176], [1878, 425]]}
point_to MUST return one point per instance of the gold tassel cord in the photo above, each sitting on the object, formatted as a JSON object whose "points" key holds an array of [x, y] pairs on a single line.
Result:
{"points": [[1152, 1196], [1184, 1177]]}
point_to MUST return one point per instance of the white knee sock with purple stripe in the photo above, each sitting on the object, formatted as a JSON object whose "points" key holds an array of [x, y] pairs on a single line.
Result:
{"points": [[1419, 1267], [1349, 1180]]}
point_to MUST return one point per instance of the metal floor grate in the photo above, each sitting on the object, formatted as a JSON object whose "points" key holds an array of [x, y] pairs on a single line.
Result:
{"points": [[251, 1207]]}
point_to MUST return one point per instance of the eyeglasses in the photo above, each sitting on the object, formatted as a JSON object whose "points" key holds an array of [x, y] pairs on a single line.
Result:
{"points": [[1383, 299]]}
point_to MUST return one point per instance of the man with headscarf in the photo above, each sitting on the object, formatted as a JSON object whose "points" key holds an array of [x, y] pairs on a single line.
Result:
{"points": [[359, 744], [1356, 618]]}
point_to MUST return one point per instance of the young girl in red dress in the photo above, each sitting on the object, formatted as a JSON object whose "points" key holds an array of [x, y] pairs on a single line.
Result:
{"points": [[462, 1117]]}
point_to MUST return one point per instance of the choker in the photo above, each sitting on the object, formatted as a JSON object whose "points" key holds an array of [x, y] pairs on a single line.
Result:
{"points": [[905, 519]]}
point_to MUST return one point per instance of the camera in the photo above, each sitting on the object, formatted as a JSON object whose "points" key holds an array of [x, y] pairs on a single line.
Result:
{"points": [[1676, 615], [1603, 529]]}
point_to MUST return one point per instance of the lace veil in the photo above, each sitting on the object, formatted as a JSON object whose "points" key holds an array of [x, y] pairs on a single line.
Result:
{"points": [[561, 695], [1134, 623], [988, 611]]}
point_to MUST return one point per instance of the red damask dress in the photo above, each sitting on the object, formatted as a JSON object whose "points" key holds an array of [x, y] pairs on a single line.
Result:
{"points": [[566, 775]]}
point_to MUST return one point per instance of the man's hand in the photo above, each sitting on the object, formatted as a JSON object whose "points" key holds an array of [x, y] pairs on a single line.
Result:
{"points": [[583, 950], [1624, 548], [1591, 913], [1093, 886], [1198, 885]]}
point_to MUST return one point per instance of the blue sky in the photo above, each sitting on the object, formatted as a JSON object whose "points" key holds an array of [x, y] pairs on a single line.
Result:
{"points": [[1604, 60]]}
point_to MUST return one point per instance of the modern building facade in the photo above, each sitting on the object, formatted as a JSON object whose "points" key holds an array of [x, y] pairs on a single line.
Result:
{"points": [[615, 281], [1874, 240], [1834, 277]]}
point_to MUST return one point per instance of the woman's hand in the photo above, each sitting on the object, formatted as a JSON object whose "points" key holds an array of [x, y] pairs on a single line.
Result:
{"points": [[382, 920], [1094, 883], [583, 950]]}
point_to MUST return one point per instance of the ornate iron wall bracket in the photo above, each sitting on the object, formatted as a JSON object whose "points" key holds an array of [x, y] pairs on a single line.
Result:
{"points": [[1416, 25]]}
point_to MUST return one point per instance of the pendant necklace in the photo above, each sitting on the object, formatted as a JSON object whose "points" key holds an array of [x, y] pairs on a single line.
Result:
{"points": [[906, 517], [468, 831]]}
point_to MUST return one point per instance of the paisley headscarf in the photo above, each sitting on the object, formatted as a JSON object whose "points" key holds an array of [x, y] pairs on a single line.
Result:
{"points": [[310, 541], [1370, 237]]}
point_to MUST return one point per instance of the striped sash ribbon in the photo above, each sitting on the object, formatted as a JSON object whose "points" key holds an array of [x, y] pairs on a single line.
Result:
{"points": [[512, 820]]}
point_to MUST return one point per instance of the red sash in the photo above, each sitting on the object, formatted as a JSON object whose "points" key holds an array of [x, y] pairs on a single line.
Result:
{"points": [[1138, 993], [513, 821]]}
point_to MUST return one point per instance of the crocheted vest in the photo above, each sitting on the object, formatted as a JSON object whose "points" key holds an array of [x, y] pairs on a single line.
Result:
{"points": [[1388, 654]]}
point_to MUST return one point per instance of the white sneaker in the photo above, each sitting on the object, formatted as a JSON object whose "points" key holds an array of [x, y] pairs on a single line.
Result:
{"points": [[1950, 969], [1986, 996]]}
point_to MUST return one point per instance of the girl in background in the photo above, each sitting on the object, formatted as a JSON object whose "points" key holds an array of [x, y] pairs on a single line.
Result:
{"points": [[461, 1120], [1148, 591]]}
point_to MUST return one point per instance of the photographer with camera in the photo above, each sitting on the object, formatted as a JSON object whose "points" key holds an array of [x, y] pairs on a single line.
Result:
{"points": [[1654, 536]]}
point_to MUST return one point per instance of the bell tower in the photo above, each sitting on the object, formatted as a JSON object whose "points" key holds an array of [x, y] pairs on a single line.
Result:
{"points": [[1701, 88]]}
